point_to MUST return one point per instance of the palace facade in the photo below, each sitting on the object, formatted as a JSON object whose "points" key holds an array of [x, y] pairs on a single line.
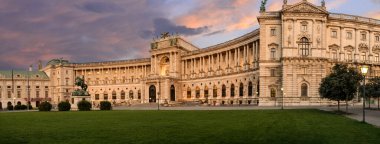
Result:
{"points": [[282, 62]]}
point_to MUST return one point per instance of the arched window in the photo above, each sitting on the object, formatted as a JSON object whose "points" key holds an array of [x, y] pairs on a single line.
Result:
{"points": [[223, 90], [241, 89], [304, 88], [304, 46], [205, 92], [272, 92], [9, 103], [273, 53], [122, 94], [197, 92], [232, 90], [215, 91], [250, 89], [18, 103], [188, 92], [113, 95], [130, 94]]}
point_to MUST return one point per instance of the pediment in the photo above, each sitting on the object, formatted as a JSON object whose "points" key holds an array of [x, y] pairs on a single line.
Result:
{"points": [[376, 48], [349, 48], [305, 7], [273, 45], [334, 47]]}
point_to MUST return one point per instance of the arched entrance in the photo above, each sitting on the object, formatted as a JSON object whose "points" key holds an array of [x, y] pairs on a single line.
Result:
{"points": [[172, 93], [152, 93]]}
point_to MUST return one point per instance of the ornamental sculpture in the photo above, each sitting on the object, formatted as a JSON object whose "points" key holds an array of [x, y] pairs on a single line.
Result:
{"points": [[83, 91], [262, 7]]}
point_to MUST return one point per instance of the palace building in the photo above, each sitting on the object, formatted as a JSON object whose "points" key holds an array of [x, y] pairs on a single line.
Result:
{"points": [[282, 62]]}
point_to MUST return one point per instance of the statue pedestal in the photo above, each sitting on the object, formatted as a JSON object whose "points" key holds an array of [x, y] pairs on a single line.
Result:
{"points": [[76, 99]]}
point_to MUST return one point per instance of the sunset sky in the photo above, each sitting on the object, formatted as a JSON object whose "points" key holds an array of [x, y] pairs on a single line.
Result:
{"points": [[105, 30]]}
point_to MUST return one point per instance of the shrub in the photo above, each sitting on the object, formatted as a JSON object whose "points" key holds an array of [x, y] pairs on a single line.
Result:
{"points": [[105, 105], [10, 107], [64, 106], [30, 107], [17, 107], [45, 106], [84, 105], [23, 107]]}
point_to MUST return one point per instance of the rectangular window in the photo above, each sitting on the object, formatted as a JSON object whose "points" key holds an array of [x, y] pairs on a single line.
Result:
{"points": [[349, 35], [304, 27], [377, 58], [334, 55], [273, 53], [9, 94], [46, 94], [105, 97], [37, 94], [349, 56], [96, 96], [273, 32], [18, 94], [272, 72], [364, 36], [334, 34], [1, 93], [377, 38], [67, 81], [363, 57]]}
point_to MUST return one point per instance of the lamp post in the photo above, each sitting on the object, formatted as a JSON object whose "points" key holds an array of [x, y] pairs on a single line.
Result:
{"points": [[364, 70], [282, 99]]}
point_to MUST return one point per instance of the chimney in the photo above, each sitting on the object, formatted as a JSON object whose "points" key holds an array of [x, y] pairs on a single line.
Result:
{"points": [[31, 68]]}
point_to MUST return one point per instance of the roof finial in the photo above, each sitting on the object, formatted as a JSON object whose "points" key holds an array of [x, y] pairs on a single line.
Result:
{"points": [[285, 2], [323, 3]]}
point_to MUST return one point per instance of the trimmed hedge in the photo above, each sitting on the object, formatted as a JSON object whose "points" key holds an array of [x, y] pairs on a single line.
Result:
{"points": [[17, 107], [23, 107], [105, 105], [10, 107], [64, 106], [45, 106], [84, 105]]}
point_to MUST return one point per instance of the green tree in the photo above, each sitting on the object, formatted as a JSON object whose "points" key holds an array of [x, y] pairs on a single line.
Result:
{"points": [[373, 87], [341, 84]]}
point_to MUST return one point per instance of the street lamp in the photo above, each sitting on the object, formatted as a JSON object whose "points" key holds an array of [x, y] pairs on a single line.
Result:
{"points": [[282, 99], [364, 70]]}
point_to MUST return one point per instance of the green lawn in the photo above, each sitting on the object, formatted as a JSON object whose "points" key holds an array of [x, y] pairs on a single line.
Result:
{"points": [[194, 127]]}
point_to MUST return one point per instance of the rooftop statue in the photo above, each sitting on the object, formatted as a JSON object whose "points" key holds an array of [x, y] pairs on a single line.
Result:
{"points": [[165, 35], [262, 7]]}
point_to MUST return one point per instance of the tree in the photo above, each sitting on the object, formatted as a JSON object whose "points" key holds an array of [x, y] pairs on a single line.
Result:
{"points": [[373, 87], [341, 84]]}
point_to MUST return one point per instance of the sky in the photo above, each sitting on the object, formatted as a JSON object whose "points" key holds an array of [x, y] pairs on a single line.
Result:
{"points": [[108, 30]]}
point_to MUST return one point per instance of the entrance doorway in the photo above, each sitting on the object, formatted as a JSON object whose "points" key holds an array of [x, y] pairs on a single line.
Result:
{"points": [[172, 93], [152, 93]]}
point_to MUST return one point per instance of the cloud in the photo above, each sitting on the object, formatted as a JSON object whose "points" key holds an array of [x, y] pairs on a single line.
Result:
{"points": [[101, 7], [162, 25]]}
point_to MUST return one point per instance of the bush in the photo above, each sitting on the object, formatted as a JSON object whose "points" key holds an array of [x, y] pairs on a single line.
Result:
{"points": [[84, 105], [105, 105], [23, 107], [64, 106], [10, 107], [17, 107], [30, 106], [45, 106]]}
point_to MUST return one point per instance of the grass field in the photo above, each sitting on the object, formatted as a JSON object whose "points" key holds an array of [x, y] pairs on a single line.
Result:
{"points": [[195, 127]]}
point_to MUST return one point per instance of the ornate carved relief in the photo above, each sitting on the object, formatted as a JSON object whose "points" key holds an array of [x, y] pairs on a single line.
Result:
{"points": [[363, 47], [304, 34], [376, 48]]}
